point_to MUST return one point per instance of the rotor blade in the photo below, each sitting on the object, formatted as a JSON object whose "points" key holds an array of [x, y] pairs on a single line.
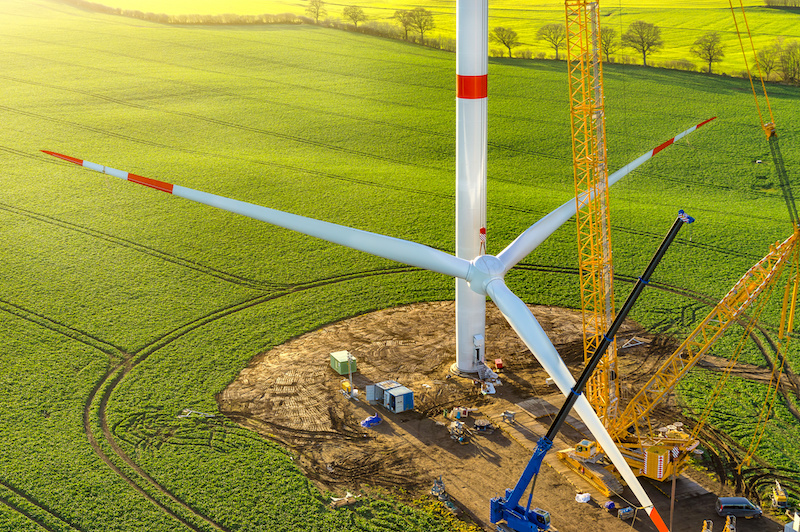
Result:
{"points": [[529, 240], [524, 323], [387, 247]]}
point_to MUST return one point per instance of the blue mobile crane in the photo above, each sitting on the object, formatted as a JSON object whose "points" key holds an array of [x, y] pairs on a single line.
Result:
{"points": [[508, 509]]}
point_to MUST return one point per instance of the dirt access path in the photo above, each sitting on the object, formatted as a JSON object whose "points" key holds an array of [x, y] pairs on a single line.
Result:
{"points": [[291, 394]]}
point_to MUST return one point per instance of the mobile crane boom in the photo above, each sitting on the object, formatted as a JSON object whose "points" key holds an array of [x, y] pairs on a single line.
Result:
{"points": [[508, 508]]}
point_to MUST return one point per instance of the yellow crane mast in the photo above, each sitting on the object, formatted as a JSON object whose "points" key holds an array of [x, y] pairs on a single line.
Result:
{"points": [[654, 454], [591, 193]]}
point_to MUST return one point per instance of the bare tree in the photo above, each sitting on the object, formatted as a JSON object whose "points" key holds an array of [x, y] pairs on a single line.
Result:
{"points": [[608, 42], [421, 20], [789, 64], [505, 36], [769, 57], [403, 16], [554, 34], [354, 13], [643, 37], [316, 9], [709, 48]]}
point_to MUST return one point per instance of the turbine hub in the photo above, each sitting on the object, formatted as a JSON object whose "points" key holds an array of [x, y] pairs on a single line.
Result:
{"points": [[482, 271]]}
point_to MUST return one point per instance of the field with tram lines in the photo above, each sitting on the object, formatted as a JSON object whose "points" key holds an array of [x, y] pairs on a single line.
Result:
{"points": [[120, 307]]}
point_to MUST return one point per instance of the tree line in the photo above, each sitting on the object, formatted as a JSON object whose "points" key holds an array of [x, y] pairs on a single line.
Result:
{"points": [[781, 57], [782, 3], [418, 20], [780, 60]]}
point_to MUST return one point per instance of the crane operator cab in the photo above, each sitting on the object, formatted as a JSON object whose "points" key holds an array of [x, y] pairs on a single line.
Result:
{"points": [[587, 451], [541, 518]]}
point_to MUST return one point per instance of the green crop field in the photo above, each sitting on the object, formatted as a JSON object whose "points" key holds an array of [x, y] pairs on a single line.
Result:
{"points": [[121, 306], [682, 21]]}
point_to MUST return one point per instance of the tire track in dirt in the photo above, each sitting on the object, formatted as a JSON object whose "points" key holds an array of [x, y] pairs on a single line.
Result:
{"points": [[262, 99], [678, 290], [299, 87], [124, 363], [62, 329], [381, 123], [274, 134], [793, 384], [726, 457], [25, 154], [104, 347], [655, 237], [232, 125], [41, 506], [147, 250], [25, 514], [117, 374], [491, 144], [267, 60]]}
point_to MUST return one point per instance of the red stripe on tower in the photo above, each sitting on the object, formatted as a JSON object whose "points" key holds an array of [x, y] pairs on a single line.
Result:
{"points": [[472, 87]]}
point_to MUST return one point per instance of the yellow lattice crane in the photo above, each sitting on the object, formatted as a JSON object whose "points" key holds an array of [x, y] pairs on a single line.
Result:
{"points": [[751, 291], [660, 453], [591, 193], [657, 454]]}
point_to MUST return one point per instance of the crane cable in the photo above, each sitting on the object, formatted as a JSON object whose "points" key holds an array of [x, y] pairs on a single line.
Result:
{"points": [[790, 294], [769, 128]]}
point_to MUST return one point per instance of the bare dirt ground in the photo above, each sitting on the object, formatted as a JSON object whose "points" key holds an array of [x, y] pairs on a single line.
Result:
{"points": [[292, 395]]}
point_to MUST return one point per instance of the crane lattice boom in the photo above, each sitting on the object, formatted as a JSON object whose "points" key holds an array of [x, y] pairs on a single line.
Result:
{"points": [[728, 311], [591, 192]]}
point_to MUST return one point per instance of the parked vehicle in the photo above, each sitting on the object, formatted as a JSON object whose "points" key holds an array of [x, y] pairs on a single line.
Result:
{"points": [[737, 507]]}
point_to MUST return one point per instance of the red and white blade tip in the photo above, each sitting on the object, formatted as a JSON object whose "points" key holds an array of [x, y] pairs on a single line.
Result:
{"points": [[680, 136], [656, 518], [65, 157], [122, 174]]}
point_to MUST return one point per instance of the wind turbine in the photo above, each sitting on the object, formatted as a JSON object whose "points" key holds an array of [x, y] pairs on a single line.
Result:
{"points": [[483, 275], [477, 274]]}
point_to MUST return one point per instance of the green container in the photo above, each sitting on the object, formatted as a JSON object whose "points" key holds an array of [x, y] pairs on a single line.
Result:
{"points": [[339, 362]]}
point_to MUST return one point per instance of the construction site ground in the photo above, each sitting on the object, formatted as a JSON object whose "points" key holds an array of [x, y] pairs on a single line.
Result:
{"points": [[291, 394]]}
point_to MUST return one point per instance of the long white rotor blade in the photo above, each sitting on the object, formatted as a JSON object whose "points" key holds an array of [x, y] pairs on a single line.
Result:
{"points": [[529, 240], [387, 247], [524, 323]]}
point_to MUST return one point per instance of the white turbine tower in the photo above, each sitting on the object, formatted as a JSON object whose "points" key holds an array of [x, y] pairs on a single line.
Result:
{"points": [[477, 274], [472, 67]]}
